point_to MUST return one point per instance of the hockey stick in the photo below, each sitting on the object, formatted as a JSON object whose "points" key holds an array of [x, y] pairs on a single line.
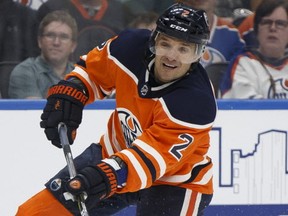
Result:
{"points": [[62, 129]]}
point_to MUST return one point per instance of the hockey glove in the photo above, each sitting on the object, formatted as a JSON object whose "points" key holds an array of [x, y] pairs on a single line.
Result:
{"points": [[98, 182], [65, 103]]}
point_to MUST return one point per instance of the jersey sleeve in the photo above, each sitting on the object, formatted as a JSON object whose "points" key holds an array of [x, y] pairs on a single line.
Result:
{"points": [[97, 71], [102, 68]]}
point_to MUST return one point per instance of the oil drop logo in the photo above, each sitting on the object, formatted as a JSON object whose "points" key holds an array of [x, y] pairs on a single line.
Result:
{"points": [[130, 126]]}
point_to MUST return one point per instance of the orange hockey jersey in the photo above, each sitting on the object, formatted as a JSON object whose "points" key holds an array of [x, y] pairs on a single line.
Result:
{"points": [[160, 131]]}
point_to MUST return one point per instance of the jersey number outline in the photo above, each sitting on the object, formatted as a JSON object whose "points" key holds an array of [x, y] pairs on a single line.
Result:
{"points": [[176, 149]]}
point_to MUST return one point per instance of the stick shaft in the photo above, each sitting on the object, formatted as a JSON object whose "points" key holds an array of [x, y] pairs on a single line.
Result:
{"points": [[62, 129], [67, 150]]}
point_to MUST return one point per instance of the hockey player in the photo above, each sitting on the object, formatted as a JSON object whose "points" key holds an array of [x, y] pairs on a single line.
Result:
{"points": [[154, 153]]}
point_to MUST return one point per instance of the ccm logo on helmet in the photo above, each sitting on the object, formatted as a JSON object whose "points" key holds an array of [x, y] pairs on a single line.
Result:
{"points": [[179, 28]]}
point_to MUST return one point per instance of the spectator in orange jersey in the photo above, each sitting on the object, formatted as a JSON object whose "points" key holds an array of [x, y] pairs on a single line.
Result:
{"points": [[246, 28], [157, 138]]}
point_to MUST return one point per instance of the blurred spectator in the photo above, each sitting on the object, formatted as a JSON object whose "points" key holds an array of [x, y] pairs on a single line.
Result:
{"points": [[97, 20], [137, 7], [262, 73], [225, 41], [247, 32], [18, 38], [57, 37], [247, 25], [225, 8], [254, 4], [239, 15], [34, 4], [146, 20]]}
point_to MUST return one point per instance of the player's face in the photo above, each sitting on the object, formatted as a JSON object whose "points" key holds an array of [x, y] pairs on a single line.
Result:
{"points": [[173, 58], [272, 33], [56, 42]]}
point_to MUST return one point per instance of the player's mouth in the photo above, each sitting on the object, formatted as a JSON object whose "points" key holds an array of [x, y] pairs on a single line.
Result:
{"points": [[170, 66]]}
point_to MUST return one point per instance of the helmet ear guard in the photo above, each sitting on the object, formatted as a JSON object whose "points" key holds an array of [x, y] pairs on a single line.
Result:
{"points": [[201, 50]]}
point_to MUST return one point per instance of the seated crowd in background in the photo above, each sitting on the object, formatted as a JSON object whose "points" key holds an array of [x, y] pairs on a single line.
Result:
{"points": [[18, 38], [262, 72], [145, 20], [99, 20], [246, 27], [57, 36]]}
